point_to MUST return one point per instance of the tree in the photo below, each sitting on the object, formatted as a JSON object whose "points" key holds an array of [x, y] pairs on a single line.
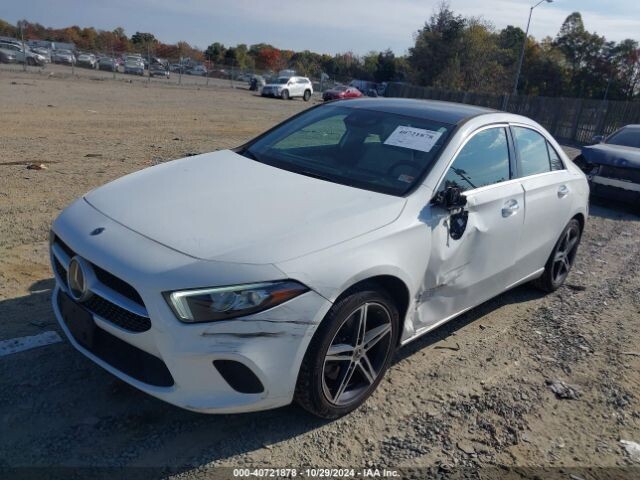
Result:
{"points": [[142, 39], [436, 44], [215, 52]]}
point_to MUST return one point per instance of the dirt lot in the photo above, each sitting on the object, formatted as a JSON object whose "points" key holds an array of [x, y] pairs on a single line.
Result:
{"points": [[474, 393]]}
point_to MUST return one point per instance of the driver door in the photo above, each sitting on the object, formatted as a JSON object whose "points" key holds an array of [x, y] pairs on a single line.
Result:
{"points": [[472, 252]]}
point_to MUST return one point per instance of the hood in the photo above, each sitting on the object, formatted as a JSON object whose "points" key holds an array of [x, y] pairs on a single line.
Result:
{"points": [[223, 206], [614, 155]]}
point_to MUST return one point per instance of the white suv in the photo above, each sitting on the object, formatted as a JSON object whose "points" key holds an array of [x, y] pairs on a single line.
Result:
{"points": [[289, 87]]}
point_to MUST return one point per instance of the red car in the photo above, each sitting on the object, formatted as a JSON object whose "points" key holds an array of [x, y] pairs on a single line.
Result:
{"points": [[340, 92]]}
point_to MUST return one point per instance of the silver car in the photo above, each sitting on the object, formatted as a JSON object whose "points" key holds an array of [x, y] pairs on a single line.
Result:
{"points": [[22, 54]]}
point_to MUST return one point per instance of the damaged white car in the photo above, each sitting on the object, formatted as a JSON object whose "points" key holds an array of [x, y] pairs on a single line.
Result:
{"points": [[294, 266]]}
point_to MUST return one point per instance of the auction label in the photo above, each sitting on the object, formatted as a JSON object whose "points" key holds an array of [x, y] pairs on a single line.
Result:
{"points": [[315, 473], [413, 138]]}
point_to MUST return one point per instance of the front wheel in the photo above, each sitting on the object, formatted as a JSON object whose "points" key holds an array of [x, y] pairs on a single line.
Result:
{"points": [[306, 96], [349, 354], [561, 259], [285, 94], [31, 61]]}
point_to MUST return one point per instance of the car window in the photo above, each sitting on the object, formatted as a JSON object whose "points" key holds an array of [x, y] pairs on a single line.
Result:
{"points": [[532, 149], [554, 158], [367, 149], [625, 137], [328, 131], [484, 160]]}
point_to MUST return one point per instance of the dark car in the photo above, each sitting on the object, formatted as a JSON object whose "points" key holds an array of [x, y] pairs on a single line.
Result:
{"points": [[341, 91], [158, 70], [108, 63], [613, 164]]}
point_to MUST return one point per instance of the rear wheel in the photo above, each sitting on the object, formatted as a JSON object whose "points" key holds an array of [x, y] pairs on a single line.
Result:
{"points": [[306, 96], [561, 260], [285, 94], [349, 354]]}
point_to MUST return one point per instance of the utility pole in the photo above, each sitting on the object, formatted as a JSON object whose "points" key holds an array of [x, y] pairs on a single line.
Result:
{"points": [[24, 50], [524, 43], [149, 62]]}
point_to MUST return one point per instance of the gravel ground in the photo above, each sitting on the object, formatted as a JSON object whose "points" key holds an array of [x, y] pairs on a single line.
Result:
{"points": [[524, 380]]}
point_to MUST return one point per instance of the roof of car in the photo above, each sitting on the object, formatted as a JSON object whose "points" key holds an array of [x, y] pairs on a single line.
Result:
{"points": [[446, 112]]}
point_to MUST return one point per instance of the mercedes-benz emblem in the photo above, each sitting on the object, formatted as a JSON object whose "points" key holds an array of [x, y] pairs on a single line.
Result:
{"points": [[78, 276]]}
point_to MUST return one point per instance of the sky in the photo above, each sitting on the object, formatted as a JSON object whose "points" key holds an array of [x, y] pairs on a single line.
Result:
{"points": [[324, 26]]}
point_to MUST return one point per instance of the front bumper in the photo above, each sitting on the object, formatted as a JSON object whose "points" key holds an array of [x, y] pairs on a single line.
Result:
{"points": [[615, 189], [271, 343]]}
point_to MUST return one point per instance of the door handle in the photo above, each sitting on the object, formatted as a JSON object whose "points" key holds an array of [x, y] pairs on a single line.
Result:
{"points": [[510, 208], [563, 191]]}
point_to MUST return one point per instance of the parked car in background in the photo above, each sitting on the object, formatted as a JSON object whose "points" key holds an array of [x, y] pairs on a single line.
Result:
{"points": [[87, 60], [368, 88], [294, 266], [176, 68], [289, 87], [613, 164], [108, 63], [63, 56], [7, 56], [199, 70], [23, 54], [45, 52], [134, 65], [159, 70], [340, 92], [256, 82]]}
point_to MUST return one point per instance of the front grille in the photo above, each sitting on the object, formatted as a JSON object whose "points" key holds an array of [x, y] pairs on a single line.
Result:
{"points": [[123, 356], [117, 315], [118, 285], [62, 273], [101, 306], [621, 173], [110, 280]]}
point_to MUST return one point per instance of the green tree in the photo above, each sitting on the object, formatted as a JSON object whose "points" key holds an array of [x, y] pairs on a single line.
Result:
{"points": [[437, 43]]}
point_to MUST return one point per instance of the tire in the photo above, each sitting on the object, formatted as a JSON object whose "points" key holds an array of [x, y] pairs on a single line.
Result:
{"points": [[321, 389], [285, 95], [31, 62], [557, 269], [306, 96]]}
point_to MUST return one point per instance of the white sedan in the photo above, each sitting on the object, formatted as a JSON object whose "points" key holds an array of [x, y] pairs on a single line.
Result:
{"points": [[294, 266]]}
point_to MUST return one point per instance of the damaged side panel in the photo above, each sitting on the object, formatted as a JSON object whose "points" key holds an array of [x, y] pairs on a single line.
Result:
{"points": [[465, 272]]}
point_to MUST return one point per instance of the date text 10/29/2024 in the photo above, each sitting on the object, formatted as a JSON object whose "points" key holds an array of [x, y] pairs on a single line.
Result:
{"points": [[314, 473]]}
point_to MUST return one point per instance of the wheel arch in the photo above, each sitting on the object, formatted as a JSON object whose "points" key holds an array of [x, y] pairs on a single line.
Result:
{"points": [[581, 220], [393, 285]]}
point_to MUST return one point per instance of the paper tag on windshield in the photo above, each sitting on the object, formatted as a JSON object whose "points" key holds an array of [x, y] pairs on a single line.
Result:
{"points": [[413, 138]]}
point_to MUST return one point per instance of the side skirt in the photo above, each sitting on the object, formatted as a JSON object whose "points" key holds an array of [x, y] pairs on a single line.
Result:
{"points": [[429, 328]]}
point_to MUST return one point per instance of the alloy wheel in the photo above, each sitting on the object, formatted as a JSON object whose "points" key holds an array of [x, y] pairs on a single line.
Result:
{"points": [[565, 254], [357, 354]]}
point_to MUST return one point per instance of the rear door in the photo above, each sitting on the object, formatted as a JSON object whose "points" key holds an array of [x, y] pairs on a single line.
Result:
{"points": [[463, 272], [548, 197]]}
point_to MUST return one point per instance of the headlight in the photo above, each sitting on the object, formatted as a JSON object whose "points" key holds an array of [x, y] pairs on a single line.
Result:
{"points": [[223, 303]]}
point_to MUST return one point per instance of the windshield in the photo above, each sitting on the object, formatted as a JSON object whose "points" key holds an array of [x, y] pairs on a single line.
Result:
{"points": [[282, 80], [367, 149], [626, 137]]}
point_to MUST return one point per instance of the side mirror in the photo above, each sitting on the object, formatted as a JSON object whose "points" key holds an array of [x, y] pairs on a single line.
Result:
{"points": [[450, 198], [597, 139]]}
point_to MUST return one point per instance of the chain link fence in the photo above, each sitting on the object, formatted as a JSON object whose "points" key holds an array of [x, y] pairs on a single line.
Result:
{"points": [[571, 120]]}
